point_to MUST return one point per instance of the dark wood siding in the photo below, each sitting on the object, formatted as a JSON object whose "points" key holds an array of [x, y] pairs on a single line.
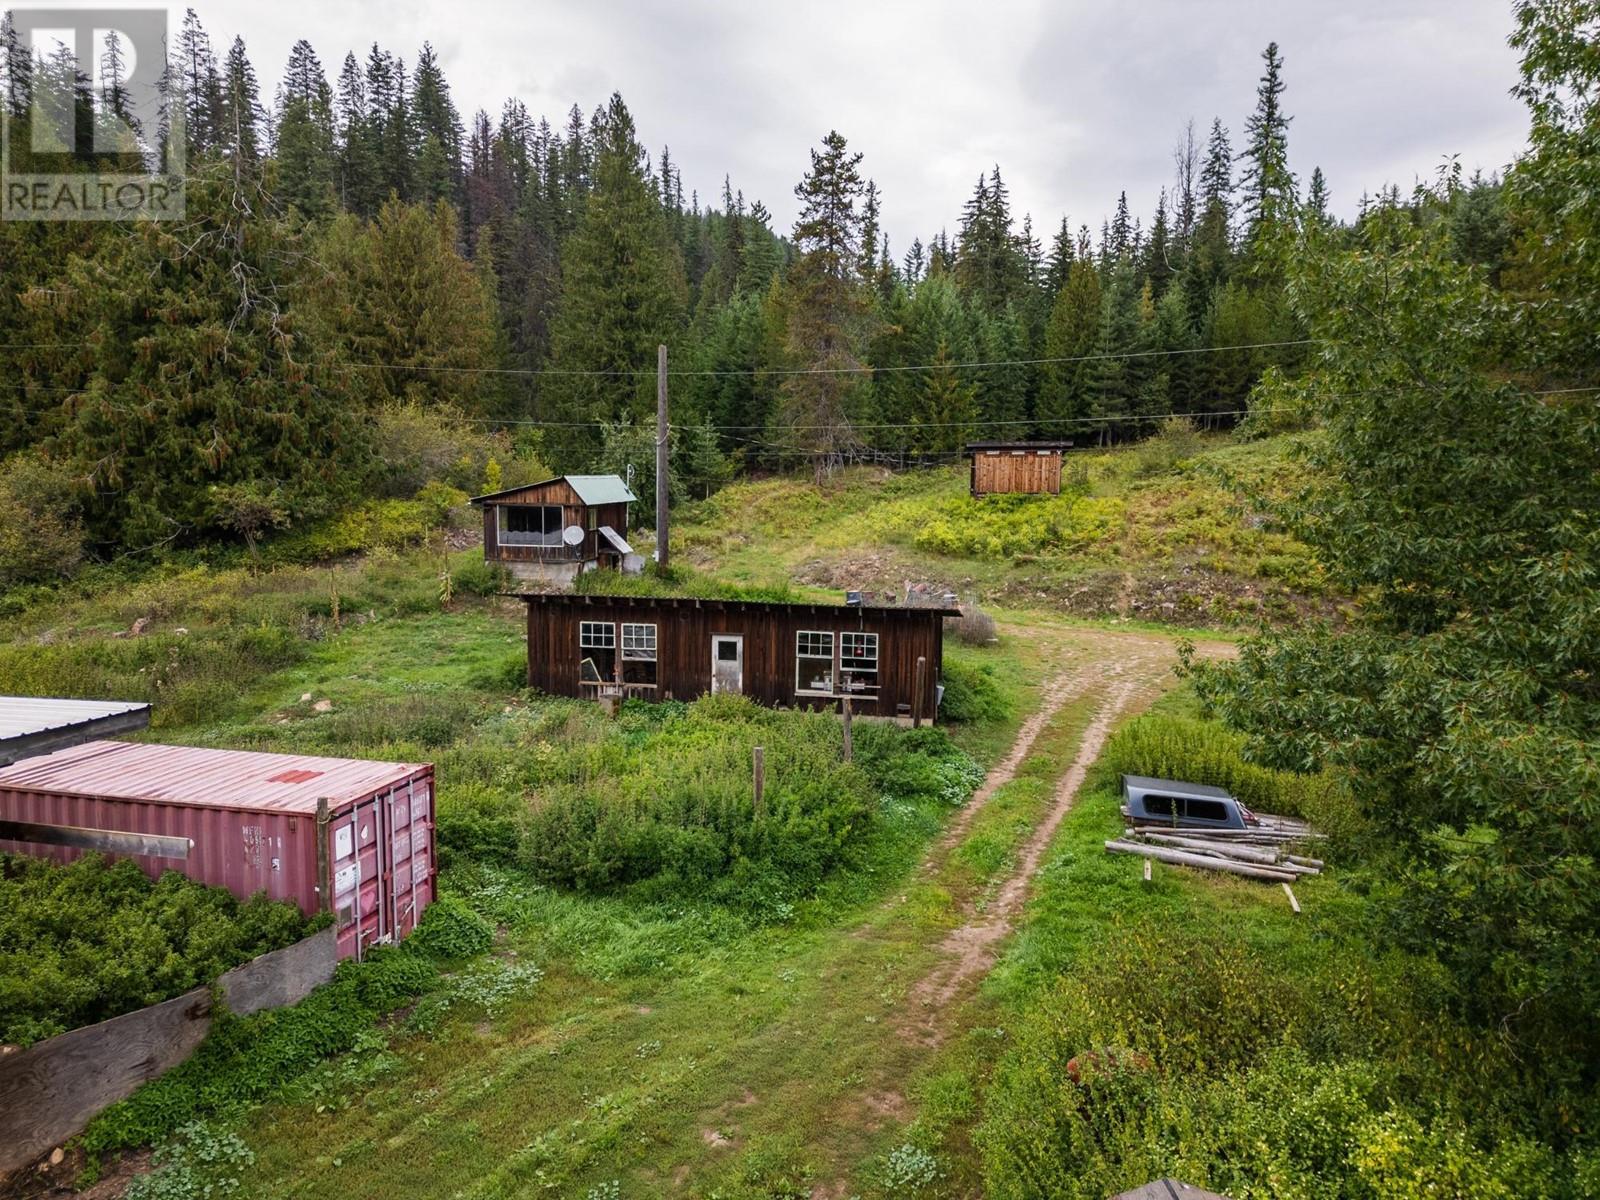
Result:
{"points": [[573, 512], [684, 629], [1016, 471]]}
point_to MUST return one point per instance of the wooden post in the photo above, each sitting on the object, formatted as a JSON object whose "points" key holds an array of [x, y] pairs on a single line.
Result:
{"points": [[847, 743], [1289, 892], [324, 879], [661, 455], [1147, 871], [759, 762], [921, 687]]}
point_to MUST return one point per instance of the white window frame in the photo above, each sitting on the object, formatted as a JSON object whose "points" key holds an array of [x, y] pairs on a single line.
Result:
{"points": [[867, 675], [643, 648], [801, 658], [587, 634]]}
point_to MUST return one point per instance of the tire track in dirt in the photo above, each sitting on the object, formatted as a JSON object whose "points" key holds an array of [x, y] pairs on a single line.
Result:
{"points": [[1132, 680]]}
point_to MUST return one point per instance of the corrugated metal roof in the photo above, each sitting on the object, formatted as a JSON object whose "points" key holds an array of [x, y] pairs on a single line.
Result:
{"points": [[601, 489], [618, 542], [35, 724], [591, 489], [242, 779]]}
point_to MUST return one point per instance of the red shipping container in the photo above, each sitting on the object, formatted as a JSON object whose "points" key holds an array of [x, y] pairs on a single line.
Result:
{"points": [[350, 835]]}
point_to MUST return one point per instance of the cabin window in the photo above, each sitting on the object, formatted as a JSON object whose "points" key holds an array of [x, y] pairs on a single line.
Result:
{"points": [[530, 524], [1205, 810], [639, 654], [858, 661], [813, 665], [1158, 806], [597, 649], [591, 519]]}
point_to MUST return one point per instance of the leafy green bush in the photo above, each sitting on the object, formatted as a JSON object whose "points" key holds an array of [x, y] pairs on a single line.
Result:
{"points": [[41, 531], [1001, 527], [1205, 752], [477, 575], [90, 940], [451, 930], [668, 809], [1186, 1052], [971, 693], [246, 1060]]}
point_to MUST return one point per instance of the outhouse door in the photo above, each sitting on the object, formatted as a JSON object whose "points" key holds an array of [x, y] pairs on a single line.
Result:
{"points": [[727, 663]]}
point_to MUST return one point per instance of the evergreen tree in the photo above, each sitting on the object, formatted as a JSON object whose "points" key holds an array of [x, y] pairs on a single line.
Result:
{"points": [[622, 293], [916, 263], [438, 174], [305, 153], [359, 182], [239, 136], [199, 85], [1316, 206], [1059, 263], [868, 264], [828, 311], [1065, 392], [1269, 187]]}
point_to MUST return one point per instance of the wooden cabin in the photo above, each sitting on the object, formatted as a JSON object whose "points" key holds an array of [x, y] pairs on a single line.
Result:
{"points": [[551, 532], [885, 659], [1016, 467]]}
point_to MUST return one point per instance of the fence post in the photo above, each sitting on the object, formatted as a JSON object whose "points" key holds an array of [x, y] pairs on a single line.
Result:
{"points": [[847, 744], [921, 686], [759, 762], [324, 880]]}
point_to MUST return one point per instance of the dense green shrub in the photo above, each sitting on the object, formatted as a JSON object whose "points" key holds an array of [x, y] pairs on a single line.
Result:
{"points": [[1001, 527], [91, 940], [451, 930], [971, 693], [1205, 752], [668, 808], [473, 573], [1202, 1057], [41, 531]]}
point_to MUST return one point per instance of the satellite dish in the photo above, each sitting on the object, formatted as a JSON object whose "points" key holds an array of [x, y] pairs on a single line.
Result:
{"points": [[572, 535]]}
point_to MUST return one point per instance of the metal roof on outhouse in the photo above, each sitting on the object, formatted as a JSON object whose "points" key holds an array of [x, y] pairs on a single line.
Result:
{"points": [[241, 779], [591, 489], [39, 724]]}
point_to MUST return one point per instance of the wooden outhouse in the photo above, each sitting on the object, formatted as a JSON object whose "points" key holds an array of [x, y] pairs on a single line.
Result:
{"points": [[1016, 467], [553, 531], [885, 659]]}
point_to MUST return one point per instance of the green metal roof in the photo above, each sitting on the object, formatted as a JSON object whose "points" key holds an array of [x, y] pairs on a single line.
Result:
{"points": [[591, 489], [600, 489]]}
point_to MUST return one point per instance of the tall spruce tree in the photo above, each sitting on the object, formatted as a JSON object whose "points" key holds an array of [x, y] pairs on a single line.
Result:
{"points": [[829, 312], [1268, 184], [622, 293], [304, 152], [439, 173]]}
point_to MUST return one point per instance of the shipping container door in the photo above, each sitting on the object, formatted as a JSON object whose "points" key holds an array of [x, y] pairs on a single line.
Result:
{"points": [[357, 879], [410, 865]]}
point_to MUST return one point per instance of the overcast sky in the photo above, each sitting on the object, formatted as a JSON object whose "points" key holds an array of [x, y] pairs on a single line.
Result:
{"points": [[1075, 100]]}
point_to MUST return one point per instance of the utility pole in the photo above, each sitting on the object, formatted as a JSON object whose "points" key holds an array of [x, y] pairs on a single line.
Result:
{"points": [[661, 456]]}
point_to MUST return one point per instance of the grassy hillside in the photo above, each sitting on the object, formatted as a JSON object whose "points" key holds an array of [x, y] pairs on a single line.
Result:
{"points": [[1162, 531]]}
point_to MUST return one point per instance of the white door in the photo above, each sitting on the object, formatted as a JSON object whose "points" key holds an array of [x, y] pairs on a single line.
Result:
{"points": [[727, 663]]}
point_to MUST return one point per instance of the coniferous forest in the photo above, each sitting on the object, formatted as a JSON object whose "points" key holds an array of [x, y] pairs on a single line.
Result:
{"points": [[357, 253]]}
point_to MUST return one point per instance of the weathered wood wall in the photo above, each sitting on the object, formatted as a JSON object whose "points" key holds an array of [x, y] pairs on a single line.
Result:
{"points": [[54, 1088], [1032, 471], [573, 512], [684, 629]]}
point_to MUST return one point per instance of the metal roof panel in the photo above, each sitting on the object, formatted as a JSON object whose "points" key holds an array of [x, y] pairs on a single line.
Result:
{"points": [[234, 779]]}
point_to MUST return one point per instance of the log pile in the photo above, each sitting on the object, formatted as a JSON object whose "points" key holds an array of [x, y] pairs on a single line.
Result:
{"points": [[1260, 852]]}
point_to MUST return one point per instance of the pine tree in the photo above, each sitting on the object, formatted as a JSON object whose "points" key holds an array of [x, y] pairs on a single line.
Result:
{"points": [[360, 189], [1065, 395], [1059, 263], [438, 131], [304, 153], [867, 265], [200, 86], [916, 263], [1269, 187], [828, 311], [239, 136], [1316, 206], [622, 293]]}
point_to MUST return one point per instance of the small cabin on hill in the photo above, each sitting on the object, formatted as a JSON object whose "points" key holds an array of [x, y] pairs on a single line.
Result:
{"points": [[886, 660], [552, 532], [1000, 468]]}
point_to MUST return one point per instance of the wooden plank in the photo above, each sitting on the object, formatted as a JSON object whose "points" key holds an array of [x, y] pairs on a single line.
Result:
{"points": [[1289, 892], [282, 977], [1180, 858], [51, 1090]]}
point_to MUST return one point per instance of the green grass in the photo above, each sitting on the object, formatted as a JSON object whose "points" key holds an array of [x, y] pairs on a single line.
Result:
{"points": [[1133, 534]]}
